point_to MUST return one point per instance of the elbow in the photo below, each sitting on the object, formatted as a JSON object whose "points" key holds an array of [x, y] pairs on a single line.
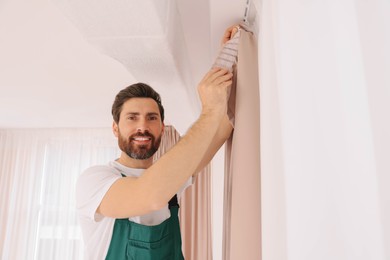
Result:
{"points": [[159, 200], [228, 132], [226, 129], [225, 134], [157, 204]]}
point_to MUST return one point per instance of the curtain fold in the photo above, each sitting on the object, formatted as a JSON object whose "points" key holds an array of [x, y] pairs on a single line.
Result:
{"points": [[195, 207]]}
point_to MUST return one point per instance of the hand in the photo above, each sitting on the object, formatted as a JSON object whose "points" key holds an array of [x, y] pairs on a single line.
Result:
{"points": [[214, 88], [229, 33]]}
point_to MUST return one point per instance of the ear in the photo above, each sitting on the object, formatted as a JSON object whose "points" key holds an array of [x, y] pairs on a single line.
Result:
{"points": [[115, 129], [162, 128]]}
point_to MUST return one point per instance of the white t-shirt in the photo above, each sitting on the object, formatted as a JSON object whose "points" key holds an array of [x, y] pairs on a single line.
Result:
{"points": [[91, 187]]}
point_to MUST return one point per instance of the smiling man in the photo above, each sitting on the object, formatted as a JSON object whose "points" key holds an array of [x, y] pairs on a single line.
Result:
{"points": [[128, 209]]}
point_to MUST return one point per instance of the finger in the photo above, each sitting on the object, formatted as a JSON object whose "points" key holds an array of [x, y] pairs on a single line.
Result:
{"points": [[229, 33], [223, 78], [218, 73], [234, 31], [209, 73], [217, 81], [226, 38], [213, 73], [227, 83]]}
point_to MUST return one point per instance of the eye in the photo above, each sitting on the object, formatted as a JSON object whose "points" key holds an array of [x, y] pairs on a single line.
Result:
{"points": [[153, 118], [131, 117]]}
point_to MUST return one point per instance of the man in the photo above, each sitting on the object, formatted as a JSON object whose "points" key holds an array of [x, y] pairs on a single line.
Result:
{"points": [[105, 198], [128, 208]]}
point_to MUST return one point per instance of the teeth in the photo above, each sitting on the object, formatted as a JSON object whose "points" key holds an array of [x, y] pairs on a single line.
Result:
{"points": [[141, 138]]}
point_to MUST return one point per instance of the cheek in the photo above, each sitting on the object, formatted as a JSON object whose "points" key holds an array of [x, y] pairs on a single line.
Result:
{"points": [[159, 130], [123, 132], [126, 128], [126, 134]]}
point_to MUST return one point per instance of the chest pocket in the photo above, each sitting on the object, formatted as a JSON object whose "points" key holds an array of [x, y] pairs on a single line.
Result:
{"points": [[161, 244], [133, 241]]}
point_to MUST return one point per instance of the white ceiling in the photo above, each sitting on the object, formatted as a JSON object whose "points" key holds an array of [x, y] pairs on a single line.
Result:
{"points": [[62, 62]]}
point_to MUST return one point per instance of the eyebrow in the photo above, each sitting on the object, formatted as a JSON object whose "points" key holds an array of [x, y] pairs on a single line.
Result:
{"points": [[148, 114], [153, 114]]}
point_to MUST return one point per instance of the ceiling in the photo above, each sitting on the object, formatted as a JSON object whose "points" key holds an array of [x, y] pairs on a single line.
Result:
{"points": [[62, 62]]}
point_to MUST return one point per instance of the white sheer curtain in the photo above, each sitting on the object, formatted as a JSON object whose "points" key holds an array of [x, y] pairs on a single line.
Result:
{"points": [[38, 171], [325, 129]]}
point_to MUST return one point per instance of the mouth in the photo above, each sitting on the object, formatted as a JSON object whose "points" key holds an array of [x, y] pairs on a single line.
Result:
{"points": [[141, 139]]}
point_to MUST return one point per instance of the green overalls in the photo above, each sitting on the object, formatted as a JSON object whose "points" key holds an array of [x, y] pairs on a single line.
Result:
{"points": [[133, 241]]}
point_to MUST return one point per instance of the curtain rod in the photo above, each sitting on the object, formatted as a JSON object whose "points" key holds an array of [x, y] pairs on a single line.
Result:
{"points": [[250, 12]]}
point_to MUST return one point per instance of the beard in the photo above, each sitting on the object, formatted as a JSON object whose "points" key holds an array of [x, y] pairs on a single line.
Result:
{"points": [[136, 151]]}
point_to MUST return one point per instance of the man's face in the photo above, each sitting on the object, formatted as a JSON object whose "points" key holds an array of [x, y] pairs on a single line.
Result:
{"points": [[140, 128]]}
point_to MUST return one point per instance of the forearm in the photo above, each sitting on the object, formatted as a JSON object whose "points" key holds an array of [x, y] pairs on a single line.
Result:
{"points": [[223, 133], [183, 160]]}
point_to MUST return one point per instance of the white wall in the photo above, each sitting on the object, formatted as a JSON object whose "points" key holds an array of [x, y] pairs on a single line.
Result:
{"points": [[324, 129]]}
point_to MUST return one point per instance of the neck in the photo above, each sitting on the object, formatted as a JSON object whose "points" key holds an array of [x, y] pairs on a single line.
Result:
{"points": [[135, 163]]}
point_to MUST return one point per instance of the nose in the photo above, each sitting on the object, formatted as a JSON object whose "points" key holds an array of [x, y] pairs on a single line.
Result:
{"points": [[142, 126]]}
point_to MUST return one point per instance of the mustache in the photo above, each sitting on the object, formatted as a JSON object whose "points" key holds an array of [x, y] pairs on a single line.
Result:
{"points": [[145, 134]]}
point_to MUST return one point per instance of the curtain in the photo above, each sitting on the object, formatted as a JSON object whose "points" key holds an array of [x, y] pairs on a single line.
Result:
{"points": [[325, 129], [242, 217], [39, 168], [195, 207]]}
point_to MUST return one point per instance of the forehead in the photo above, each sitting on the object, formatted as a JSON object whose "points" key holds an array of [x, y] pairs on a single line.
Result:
{"points": [[140, 105]]}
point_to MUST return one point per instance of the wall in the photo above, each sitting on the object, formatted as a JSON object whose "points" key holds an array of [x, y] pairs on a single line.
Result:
{"points": [[324, 132]]}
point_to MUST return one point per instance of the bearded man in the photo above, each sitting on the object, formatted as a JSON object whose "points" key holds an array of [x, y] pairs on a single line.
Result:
{"points": [[128, 209]]}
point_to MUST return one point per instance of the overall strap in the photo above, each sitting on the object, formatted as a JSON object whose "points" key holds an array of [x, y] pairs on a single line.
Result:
{"points": [[172, 202]]}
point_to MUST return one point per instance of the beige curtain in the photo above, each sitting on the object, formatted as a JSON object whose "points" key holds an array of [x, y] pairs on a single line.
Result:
{"points": [[242, 216], [195, 207]]}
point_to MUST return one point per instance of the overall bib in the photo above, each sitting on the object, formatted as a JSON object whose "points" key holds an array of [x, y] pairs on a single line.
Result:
{"points": [[133, 241]]}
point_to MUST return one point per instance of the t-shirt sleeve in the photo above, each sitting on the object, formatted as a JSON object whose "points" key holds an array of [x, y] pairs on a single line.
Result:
{"points": [[188, 183], [91, 187]]}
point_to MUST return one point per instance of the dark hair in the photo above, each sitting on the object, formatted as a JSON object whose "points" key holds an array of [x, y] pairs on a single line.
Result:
{"points": [[137, 90]]}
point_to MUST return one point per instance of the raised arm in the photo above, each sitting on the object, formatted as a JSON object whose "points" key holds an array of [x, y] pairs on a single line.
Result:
{"points": [[225, 128], [137, 196]]}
